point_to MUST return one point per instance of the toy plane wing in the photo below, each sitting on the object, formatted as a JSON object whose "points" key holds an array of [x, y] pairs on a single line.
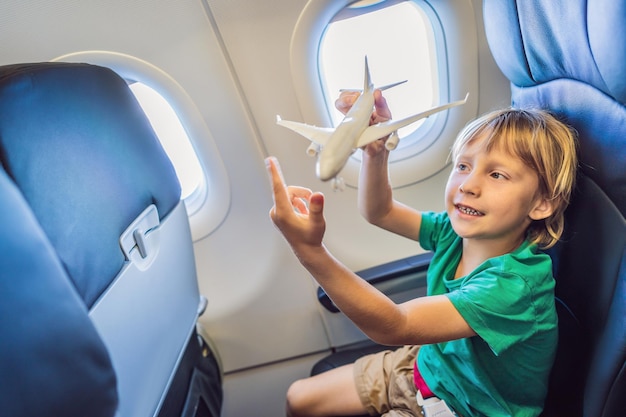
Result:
{"points": [[317, 135], [380, 130]]}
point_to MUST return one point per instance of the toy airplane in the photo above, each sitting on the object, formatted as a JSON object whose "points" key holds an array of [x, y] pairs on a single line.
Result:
{"points": [[335, 146]]}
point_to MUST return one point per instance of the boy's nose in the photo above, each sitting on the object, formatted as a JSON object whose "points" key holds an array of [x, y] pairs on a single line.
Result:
{"points": [[469, 186]]}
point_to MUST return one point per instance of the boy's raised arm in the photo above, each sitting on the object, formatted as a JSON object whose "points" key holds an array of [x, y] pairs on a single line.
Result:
{"points": [[375, 197]]}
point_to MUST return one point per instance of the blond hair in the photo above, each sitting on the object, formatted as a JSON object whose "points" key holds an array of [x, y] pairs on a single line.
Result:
{"points": [[543, 143]]}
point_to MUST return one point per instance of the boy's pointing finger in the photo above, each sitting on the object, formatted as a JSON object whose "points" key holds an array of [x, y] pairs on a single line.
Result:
{"points": [[279, 189]]}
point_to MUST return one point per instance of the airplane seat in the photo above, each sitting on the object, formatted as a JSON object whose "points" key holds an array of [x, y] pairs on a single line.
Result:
{"points": [[569, 57], [64, 371], [99, 194]]}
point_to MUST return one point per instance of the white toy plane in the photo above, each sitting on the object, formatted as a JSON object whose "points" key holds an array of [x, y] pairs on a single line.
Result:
{"points": [[335, 146]]}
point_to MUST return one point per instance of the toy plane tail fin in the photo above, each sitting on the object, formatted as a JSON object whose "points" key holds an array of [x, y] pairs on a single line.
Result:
{"points": [[385, 87], [367, 85]]}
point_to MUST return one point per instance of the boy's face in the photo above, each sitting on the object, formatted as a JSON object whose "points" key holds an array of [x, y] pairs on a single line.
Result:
{"points": [[492, 197]]}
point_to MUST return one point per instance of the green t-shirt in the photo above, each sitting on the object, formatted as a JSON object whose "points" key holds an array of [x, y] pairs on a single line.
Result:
{"points": [[509, 302]]}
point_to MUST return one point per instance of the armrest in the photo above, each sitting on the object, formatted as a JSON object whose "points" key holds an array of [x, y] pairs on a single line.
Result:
{"points": [[391, 278]]}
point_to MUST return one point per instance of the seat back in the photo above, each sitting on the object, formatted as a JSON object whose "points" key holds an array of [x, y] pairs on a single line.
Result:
{"points": [[100, 193], [52, 359], [570, 57]]}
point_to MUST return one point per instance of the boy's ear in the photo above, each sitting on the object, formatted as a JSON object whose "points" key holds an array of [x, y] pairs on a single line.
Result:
{"points": [[543, 209]]}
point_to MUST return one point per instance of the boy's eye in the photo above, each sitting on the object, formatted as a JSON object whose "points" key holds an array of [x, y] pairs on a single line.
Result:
{"points": [[497, 175], [461, 167]]}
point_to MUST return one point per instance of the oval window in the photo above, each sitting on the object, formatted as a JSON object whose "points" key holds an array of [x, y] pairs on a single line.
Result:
{"points": [[173, 137], [402, 49], [182, 131]]}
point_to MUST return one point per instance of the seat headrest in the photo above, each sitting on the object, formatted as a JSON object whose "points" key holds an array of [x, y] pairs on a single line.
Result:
{"points": [[81, 150], [548, 40], [569, 57]]}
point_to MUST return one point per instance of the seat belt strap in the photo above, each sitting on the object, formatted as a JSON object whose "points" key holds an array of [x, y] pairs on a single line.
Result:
{"points": [[420, 384]]}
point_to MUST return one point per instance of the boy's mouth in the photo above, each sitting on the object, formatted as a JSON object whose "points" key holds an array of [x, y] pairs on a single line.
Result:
{"points": [[468, 210]]}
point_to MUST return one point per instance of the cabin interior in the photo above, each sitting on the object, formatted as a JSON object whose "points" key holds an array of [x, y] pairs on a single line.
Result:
{"points": [[123, 293]]}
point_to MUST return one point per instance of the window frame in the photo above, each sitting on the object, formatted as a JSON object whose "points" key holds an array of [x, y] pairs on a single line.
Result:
{"points": [[208, 205], [456, 41], [193, 197], [421, 138]]}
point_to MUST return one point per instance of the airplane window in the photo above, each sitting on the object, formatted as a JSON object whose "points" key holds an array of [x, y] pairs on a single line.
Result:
{"points": [[172, 135], [182, 131], [424, 42], [397, 38]]}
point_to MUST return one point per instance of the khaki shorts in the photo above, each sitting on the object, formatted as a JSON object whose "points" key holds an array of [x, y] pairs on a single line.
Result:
{"points": [[385, 384]]}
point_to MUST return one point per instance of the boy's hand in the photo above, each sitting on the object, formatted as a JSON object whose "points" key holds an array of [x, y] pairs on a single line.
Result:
{"points": [[297, 211], [380, 114], [381, 111], [345, 101]]}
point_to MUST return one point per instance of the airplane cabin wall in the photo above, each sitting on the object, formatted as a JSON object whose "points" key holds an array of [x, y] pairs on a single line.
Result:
{"points": [[231, 57]]}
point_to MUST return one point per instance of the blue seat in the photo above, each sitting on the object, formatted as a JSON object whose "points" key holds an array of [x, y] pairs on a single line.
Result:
{"points": [[570, 57], [100, 201], [52, 360]]}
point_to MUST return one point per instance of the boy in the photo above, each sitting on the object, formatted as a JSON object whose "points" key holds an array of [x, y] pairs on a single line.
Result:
{"points": [[483, 339]]}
